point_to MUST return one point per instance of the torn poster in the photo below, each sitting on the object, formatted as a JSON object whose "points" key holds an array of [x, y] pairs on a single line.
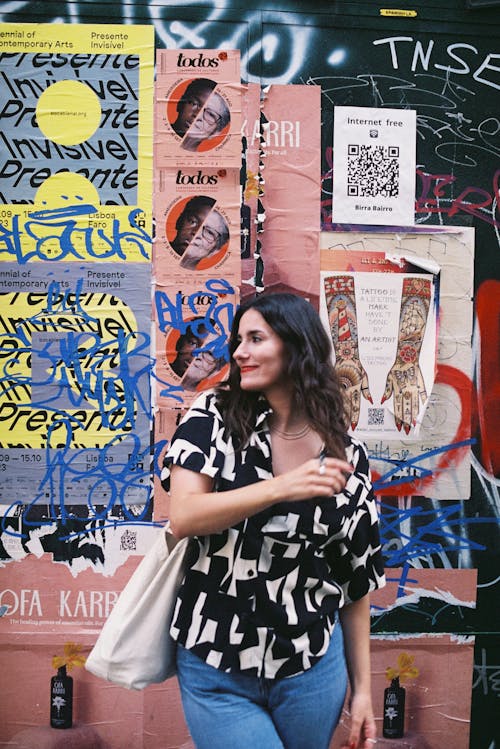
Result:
{"points": [[437, 462], [292, 190]]}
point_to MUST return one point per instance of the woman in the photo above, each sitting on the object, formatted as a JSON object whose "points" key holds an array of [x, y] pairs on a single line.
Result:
{"points": [[279, 501]]}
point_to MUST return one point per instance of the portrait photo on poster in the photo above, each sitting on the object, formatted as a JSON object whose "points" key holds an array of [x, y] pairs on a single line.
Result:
{"points": [[202, 115], [198, 108], [190, 359], [197, 232]]}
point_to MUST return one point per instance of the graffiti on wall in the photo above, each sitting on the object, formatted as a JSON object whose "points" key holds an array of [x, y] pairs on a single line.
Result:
{"points": [[451, 78]]}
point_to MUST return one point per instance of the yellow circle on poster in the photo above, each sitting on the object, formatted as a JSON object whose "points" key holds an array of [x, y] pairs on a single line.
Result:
{"points": [[68, 112], [66, 189]]}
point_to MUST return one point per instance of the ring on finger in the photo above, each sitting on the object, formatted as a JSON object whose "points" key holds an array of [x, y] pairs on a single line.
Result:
{"points": [[372, 741], [322, 467]]}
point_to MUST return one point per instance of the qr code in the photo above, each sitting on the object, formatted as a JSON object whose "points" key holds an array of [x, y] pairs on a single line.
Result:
{"points": [[375, 416], [372, 171], [128, 541]]}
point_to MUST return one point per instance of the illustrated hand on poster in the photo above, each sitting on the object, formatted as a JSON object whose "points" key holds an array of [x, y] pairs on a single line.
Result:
{"points": [[341, 305], [405, 381]]}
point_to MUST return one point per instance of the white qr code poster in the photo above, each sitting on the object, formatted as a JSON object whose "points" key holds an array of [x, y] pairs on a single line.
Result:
{"points": [[374, 161]]}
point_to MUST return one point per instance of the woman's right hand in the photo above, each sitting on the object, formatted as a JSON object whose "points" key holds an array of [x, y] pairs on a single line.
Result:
{"points": [[317, 477], [195, 509]]}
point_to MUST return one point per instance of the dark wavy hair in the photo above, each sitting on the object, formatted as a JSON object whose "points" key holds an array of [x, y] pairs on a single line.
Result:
{"points": [[316, 387]]}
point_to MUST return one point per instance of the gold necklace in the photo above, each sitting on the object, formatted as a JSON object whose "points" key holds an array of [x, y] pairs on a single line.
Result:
{"points": [[291, 435]]}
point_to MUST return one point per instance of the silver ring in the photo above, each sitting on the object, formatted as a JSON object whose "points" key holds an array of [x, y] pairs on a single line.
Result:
{"points": [[372, 741], [321, 469]]}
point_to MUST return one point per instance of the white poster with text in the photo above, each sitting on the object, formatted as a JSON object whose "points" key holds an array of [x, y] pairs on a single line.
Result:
{"points": [[374, 161]]}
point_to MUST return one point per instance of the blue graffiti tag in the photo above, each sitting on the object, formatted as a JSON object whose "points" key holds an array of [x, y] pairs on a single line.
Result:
{"points": [[208, 312], [57, 236]]}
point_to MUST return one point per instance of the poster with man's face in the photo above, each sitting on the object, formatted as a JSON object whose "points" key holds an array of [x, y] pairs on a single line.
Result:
{"points": [[192, 329], [197, 225], [198, 108]]}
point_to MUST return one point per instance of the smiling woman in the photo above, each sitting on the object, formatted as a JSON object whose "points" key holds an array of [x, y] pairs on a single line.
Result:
{"points": [[263, 476], [260, 355]]}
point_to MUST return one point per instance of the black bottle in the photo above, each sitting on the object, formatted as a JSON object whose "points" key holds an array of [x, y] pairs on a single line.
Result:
{"points": [[61, 699], [394, 711]]}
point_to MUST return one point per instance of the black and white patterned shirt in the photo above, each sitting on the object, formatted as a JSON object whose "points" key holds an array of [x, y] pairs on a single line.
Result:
{"points": [[261, 597]]}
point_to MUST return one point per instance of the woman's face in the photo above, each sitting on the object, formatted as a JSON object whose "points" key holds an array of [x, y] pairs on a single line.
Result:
{"points": [[261, 354]]}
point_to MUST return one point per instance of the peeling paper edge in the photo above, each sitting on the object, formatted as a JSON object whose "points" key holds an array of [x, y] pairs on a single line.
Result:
{"points": [[259, 270], [452, 636], [426, 264]]}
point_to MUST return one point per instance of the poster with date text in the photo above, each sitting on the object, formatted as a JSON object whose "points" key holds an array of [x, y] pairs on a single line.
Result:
{"points": [[75, 411], [405, 463], [75, 155]]}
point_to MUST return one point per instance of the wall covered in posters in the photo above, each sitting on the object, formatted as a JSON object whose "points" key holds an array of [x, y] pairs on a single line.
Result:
{"points": [[105, 296]]}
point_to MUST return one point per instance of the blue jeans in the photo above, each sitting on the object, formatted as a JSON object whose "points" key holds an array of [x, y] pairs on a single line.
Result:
{"points": [[237, 711]]}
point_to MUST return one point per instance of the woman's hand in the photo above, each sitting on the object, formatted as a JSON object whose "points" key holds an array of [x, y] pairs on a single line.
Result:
{"points": [[363, 731], [318, 477], [355, 621], [195, 509]]}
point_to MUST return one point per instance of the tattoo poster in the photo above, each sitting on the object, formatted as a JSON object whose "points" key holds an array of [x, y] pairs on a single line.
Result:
{"points": [[75, 412], [435, 461], [76, 142], [198, 108], [192, 327], [374, 162], [197, 219], [292, 191], [384, 333]]}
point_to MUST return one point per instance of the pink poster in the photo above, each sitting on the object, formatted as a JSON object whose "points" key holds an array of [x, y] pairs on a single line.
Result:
{"points": [[198, 107], [197, 217], [165, 424], [291, 141]]}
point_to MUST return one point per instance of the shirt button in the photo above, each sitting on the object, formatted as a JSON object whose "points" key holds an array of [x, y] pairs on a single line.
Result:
{"points": [[250, 573]]}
